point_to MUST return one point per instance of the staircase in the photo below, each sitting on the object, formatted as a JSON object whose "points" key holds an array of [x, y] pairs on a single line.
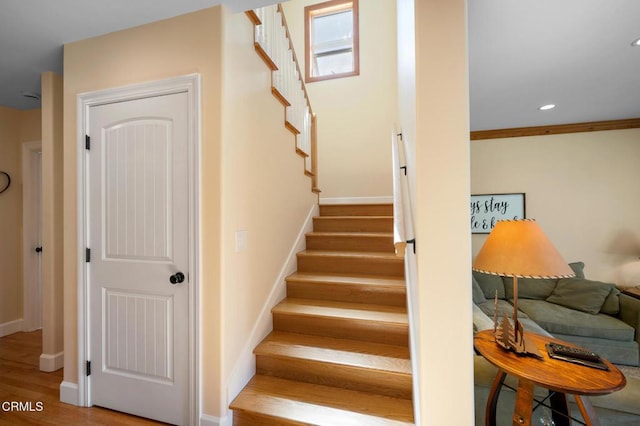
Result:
{"points": [[338, 353]]}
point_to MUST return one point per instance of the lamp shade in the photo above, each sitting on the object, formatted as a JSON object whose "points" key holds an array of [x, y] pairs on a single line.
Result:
{"points": [[519, 248]]}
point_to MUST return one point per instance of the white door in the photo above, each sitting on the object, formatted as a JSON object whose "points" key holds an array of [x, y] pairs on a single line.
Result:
{"points": [[138, 277], [32, 234]]}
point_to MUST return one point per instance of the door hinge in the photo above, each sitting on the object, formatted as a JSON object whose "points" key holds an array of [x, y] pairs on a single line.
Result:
{"points": [[87, 142], [88, 368], [87, 255]]}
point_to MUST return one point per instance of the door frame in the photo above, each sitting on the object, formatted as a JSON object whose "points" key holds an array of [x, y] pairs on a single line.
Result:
{"points": [[32, 304], [189, 84]]}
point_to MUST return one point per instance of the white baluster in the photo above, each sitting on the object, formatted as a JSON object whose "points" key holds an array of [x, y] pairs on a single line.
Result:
{"points": [[272, 37]]}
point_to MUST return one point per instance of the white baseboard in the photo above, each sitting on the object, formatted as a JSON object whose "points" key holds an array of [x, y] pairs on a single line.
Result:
{"points": [[49, 363], [245, 366], [207, 420], [357, 200], [69, 393], [11, 327]]}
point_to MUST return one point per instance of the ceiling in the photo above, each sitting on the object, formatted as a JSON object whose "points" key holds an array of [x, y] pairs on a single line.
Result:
{"points": [[32, 33], [576, 54]]}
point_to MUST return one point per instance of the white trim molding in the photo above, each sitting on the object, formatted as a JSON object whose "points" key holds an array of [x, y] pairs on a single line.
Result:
{"points": [[207, 420], [190, 84], [11, 327], [49, 363], [356, 200], [69, 393]]}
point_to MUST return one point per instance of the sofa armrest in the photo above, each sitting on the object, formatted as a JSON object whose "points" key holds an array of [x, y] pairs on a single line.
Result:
{"points": [[630, 312], [480, 320]]}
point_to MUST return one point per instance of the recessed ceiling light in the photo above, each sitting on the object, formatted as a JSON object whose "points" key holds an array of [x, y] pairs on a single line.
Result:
{"points": [[30, 95], [636, 42], [547, 107]]}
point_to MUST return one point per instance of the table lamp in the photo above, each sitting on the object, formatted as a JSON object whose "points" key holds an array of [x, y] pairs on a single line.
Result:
{"points": [[519, 249]]}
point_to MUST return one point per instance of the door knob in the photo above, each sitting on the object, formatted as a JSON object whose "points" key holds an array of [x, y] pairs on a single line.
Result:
{"points": [[176, 278]]}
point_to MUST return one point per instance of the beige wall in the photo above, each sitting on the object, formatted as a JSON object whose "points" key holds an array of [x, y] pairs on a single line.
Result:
{"points": [[52, 303], [264, 192], [252, 180], [434, 116], [10, 218], [582, 188], [356, 115], [179, 46], [30, 125], [16, 127]]}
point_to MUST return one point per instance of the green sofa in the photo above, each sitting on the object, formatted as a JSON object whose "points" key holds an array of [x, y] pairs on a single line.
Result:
{"points": [[588, 313]]}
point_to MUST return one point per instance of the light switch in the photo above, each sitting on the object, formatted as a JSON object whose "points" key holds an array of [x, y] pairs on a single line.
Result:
{"points": [[241, 240]]}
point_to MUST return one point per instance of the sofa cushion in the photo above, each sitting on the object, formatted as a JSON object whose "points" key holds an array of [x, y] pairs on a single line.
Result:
{"points": [[558, 319], [480, 320], [476, 291], [529, 288], [504, 307], [616, 351], [578, 269], [583, 295], [490, 284], [611, 305]]}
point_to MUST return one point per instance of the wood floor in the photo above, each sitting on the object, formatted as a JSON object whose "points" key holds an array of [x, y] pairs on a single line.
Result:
{"points": [[21, 381]]}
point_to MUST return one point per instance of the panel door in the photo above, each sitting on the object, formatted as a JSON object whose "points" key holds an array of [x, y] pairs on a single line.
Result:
{"points": [[138, 233]]}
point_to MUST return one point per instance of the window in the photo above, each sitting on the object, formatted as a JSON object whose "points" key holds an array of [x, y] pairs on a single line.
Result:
{"points": [[331, 40]]}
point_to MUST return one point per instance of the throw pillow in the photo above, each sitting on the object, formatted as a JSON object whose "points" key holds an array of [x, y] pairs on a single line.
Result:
{"points": [[489, 284], [529, 288], [580, 294], [611, 305], [476, 291], [578, 269]]}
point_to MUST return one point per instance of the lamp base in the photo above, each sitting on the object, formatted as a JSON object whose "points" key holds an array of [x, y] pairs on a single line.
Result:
{"points": [[512, 338]]}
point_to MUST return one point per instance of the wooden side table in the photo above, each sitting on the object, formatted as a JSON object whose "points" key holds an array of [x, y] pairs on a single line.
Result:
{"points": [[559, 377], [632, 291]]}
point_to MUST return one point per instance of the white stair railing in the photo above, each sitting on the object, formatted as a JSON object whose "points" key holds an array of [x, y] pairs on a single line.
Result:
{"points": [[403, 234], [402, 223], [273, 43]]}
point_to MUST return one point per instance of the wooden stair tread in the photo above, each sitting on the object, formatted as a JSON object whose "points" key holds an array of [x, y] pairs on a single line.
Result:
{"points": [[369, 241], [354, 254], [349, 217], [354, 353], [311, 404], [369, 223], [356, 209], [344, 310], [350, 234], [371, 289], [351, 262], [347, 279]]}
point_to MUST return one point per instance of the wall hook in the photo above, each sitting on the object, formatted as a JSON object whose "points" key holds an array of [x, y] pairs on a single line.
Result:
{"points": [[6, 186]]}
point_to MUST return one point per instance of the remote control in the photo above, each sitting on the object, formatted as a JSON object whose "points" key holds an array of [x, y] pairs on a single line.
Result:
{"points": [[572, 352]]}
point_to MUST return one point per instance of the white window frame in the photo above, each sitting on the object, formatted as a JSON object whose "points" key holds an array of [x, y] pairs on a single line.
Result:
{"points": [[324, 9]]}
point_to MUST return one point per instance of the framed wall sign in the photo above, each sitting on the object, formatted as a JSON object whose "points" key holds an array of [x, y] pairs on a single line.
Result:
{"points": [[487, 209]]}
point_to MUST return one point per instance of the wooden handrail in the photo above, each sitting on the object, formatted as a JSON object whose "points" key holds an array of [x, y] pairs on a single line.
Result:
{"points": [[402, 224], [314, 153]]}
